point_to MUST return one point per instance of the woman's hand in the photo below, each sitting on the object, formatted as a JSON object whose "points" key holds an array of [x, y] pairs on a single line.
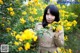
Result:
{"points": [[57, 33]]}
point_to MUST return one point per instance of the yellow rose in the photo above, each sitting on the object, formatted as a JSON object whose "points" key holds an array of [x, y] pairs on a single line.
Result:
{"points": [[59, 27], [59, 49], [16, 43], [34, 11], [68, 28], [65, 38], [20, 48], [23, 37], [18, 36], [58, 6], [2, 25], [24, 13], [10, 9], [55, 52], [49, 25], [12, 13], [69, 24], [35, 38], [40, 18], [74, 22], [13, 33], [54, 28], [8, 29], [27, 46], [63, 6], [36, 1], [29, 33], [22, 20], [31, 19], [1, 2], [70, 51]]}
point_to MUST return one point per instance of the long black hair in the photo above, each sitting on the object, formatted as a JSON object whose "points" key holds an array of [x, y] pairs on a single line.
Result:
{"points": [[54, 11]]}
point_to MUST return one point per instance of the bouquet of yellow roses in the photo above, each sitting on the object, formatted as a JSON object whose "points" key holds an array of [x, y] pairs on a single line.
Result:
{"points": [[56, 26]]}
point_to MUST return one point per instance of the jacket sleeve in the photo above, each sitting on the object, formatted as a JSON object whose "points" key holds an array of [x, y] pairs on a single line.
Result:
{"points": [[59, 41], [38, 26]]}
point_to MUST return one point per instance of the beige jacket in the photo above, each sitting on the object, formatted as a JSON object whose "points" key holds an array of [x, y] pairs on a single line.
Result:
{"points": [[48, 40]]}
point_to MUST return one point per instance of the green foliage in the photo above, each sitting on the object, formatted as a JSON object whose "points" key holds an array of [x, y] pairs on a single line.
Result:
{"points": [[35, 10]]}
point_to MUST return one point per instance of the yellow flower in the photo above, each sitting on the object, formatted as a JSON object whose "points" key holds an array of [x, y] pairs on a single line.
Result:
{"points": [[29, 3], [39, 4], [54, 22], [67, 28], [62, 11], [70, 51], [1, 2], [54, 27], [58, 6], [23, 37], [10, 4], [36, 18], [63, 6], [33, 11], [20, 48], [16, 43], [59, 27], [65, 38], [35, 0], [67, 16], [20, 40], [31, 19], [74, 22], [12, 13], [8, 29], [2, 25], [13, 33], [40, 18], [69, 24], [27, 46], [65, 51], [75, 15], [65, 21], [49, 25], [17, 36], [72, 14], [10, 9], [29, 34], [24, 13], [63, 15], [34, 38], [22, 20], [50, 0], [55, 52], [59, 49], [61, 22]]}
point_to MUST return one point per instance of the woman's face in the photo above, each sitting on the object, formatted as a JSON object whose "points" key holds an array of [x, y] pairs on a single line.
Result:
{"points": [[49, 17]]}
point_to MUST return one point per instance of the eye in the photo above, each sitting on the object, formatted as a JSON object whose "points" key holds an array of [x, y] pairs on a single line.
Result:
{"points": [[51, 15], [47, 14]]}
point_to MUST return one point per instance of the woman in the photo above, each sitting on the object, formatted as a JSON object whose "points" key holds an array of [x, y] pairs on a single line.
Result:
{"points": [[49, 42]]}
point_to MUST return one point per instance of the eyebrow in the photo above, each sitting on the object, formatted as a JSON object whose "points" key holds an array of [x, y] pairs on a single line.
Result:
{"points": [[48, 12]]}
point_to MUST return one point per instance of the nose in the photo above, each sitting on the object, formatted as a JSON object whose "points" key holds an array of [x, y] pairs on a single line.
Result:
{"points": [[49, 16]]}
